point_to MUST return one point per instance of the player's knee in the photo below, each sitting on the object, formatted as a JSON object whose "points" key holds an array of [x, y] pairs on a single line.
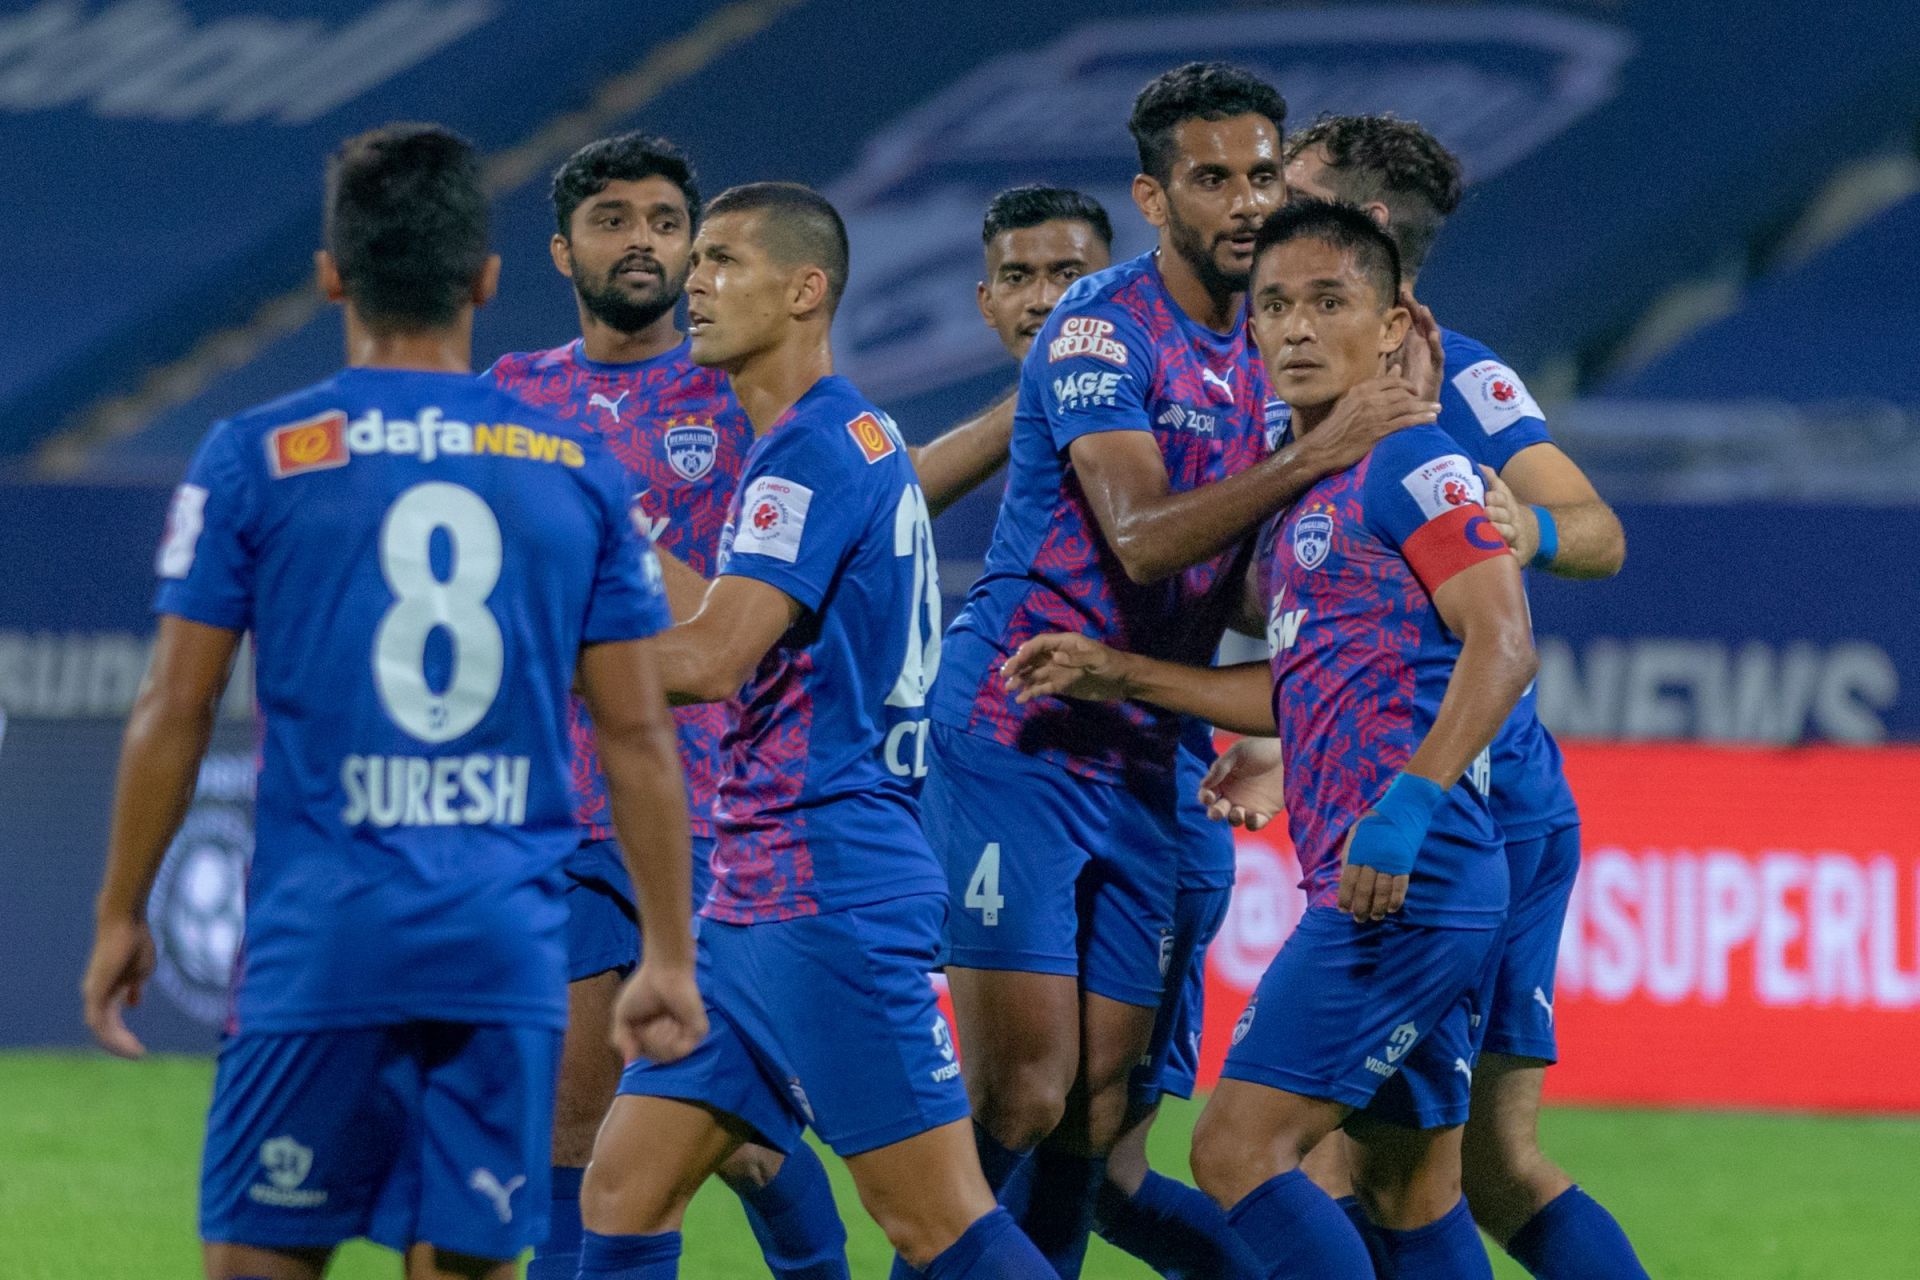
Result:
{"points": [[1020, 1105], [751, 1168], [1406, 1197], [1229, 1160], [919, 1226], [620, 1195]]}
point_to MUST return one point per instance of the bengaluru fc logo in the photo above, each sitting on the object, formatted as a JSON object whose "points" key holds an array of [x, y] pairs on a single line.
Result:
{"points": [[1311, 538], [690, 450]]}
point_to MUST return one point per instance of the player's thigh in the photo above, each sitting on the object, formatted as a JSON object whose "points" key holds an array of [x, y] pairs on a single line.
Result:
{"points": [[1405, 1178], [245, 1262], [487, 1128], [923, 1191], [652, 1155], [589, 1067], [1014, 833], [1114, 1038], [1022, 1037], [1250, 1132], [1520, 1008]]}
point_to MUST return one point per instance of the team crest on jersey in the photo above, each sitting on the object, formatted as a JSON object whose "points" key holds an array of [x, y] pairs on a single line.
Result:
{"points": [[872, 438], [316, 444], [690, 450], [1312, 536], [1245, 1024], [1277, 418]]}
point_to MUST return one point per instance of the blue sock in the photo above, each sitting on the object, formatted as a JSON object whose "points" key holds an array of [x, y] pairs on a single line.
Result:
{"points": [[558, 1256], [1448, 1248], [1175, 1229], [1059, 1213], [1574, 1238], [991, 1249], [1298, 1233], [1369, 1234], [655, 1257], [997, 1162], [796, 1222]]}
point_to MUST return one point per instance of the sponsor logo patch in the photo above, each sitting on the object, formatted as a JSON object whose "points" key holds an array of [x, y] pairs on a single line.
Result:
{"points": [[1496, 395], [871, 436], [1088, 390], [1086, 336], [1181, 418], [186, 517], [1443, 484], [317, 444], [773, 512]]}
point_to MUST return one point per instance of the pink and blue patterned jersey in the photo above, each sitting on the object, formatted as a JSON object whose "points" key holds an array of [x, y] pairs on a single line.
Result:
{"points": [[1117, 354], [677, 429], [420, 558], [1487, 410], [826, 744], [1361, 661]]}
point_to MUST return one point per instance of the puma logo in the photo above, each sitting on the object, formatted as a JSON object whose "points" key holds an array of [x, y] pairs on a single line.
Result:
{"points": [[611, 406], [491, 1187], [1209, 376], [1460, 1065], [1540, 998]]}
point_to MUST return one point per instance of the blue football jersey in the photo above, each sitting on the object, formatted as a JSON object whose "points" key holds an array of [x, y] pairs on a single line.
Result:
{"points": [[419, 557], [1487, 410], [826, 744]]}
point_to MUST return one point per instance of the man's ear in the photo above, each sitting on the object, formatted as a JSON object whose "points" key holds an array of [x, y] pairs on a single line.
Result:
{"points": [[809, 291], [326, 276], [1398, 321], [1381, 215], [980, 299], [1151, 199], [487, 283], [562, 251]]}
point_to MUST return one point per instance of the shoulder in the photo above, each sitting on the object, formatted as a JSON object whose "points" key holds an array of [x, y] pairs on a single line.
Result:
{"points": [[1491, 389], [304, 430], [1426, 465], [523, 364]]}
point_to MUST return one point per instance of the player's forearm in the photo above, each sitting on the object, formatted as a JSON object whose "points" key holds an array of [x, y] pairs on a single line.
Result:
{"points": [[1238, 699], [159, 765], [1162, 536], [1592, 542], [700, 661], [1496, 663], [649, 801], [960, 460], [685, 589]]}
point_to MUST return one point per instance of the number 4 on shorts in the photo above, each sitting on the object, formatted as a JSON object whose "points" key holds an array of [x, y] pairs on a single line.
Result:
{"points": [[983, 890]]}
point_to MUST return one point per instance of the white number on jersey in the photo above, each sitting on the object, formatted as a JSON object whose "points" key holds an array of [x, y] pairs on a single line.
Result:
{"points": [[423, 602], [913, 536], [983, 890]]}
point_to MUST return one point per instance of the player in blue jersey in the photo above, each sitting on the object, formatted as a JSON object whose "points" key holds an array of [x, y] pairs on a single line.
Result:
{"points": [[817, 940], [426, 567], [1548, 510], [1140, 464], [625, 210], [1400, 643]]}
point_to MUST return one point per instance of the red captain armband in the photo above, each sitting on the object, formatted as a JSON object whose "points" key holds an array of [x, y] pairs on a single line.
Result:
{"points": [[1456, 539]]}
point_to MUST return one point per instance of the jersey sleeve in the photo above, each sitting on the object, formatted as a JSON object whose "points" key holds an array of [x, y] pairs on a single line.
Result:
{"points": [[1094, 370], [1486, 403], [800, 513], [1425, 497], [629, 600], [206, 558]]}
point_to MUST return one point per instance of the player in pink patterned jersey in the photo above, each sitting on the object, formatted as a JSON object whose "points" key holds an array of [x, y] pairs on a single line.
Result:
{"points": [[626, 209]]}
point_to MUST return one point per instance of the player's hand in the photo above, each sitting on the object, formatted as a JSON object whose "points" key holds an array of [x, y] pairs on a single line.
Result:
{"points": [[1064, 665], [119, 967], [1244, 785], [1365, 415], [1422, 358], [1513, 518], [659, 1014], [1368, 893]]}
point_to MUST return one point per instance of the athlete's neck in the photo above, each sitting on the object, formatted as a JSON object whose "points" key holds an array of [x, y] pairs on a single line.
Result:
{"points": [[1306, 417], [448, 350], [1219, 312], [768, 383], [604, 344]]}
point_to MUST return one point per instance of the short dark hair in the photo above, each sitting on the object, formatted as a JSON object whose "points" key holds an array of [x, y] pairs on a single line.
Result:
{"points": [[1196, 91], [626, 157], [800, 227], [406, 223], [1019, 207], [1343, 226], [1396, 162]]}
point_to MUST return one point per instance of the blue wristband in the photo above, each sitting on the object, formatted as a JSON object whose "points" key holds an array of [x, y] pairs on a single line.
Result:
{"points": [[1549, 539], [1389, 838]]}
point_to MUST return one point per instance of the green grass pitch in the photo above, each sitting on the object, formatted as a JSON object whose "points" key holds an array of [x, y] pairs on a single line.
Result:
{"points": [[98, 1163]]}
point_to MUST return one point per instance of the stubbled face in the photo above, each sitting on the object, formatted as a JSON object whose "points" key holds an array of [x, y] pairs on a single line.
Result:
{"points": [[1225, 180], [626, 250], [1028, 268], [1320, 321], [737, 293]]}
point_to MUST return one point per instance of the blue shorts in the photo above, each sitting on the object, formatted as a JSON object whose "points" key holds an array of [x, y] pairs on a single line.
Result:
{"points": [[603, 922], [1382, 1016], [1520, 1011], [1050, 873], [829, 1021], [1172, 1061], [422, 1131]]}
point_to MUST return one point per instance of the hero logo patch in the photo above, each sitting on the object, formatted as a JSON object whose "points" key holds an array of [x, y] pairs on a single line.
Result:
{"points": [[1439, 486], [690, 450], [1496, 395], [317, 444], [874, 440], [773, 512], [1088, 390], [1086, 336], [1312, 536]]}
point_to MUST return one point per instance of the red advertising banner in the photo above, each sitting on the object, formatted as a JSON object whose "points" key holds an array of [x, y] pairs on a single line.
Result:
{"points": [[1745, 930]]}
